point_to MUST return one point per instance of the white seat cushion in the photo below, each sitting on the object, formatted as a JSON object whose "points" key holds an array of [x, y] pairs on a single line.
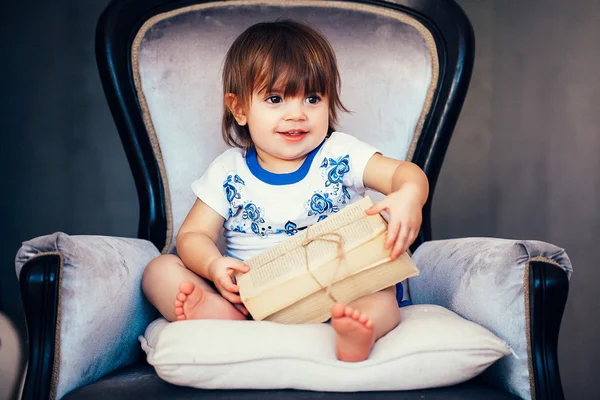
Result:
{"points": [[431, 347]]}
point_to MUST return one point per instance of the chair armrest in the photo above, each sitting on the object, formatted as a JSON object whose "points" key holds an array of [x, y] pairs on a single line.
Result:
{"points": [[84, 308], [516, 289]]}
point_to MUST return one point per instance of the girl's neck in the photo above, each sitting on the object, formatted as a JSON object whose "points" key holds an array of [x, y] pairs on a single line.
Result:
{"points": [[276, 165]]}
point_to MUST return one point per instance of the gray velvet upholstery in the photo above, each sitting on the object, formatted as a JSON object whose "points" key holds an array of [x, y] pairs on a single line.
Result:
{"points": [[485, 280], [387, 63], [102, 308]]}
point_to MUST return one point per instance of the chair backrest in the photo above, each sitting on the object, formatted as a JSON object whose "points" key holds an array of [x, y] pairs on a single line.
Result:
{"points": [[404, 65]]}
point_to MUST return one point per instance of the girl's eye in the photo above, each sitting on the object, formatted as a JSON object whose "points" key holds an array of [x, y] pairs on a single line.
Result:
{"points": [[274, 99], [313, 99]]}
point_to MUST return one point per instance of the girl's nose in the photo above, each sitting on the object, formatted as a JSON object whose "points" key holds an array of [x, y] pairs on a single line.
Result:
{"points": [[295, 111]]}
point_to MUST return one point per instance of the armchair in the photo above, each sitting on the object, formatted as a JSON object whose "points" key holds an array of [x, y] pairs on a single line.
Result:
{"points": [[159, 61]]}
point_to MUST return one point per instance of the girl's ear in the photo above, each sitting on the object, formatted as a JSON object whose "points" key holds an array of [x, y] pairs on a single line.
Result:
{"points": [[232, 103]]}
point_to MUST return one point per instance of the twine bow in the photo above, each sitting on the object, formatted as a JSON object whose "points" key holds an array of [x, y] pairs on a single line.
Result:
{"points": [[339, 241]]}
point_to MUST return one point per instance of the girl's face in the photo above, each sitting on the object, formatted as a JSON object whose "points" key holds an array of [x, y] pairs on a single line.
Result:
{"points": [[285, 129]]}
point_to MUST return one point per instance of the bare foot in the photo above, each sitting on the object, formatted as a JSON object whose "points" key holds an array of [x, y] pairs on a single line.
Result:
{"points": [[355, 335], [195, 303]]}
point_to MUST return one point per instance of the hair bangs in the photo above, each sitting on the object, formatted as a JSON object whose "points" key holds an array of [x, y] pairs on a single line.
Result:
{"points": [[294, 68]]}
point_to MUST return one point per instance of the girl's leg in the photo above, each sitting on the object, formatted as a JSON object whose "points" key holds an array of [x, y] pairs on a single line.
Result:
{"points": [[178, 293], [362, 322]]}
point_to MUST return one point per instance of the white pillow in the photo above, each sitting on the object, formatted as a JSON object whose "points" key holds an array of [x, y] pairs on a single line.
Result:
{"points": [[431, 347]]}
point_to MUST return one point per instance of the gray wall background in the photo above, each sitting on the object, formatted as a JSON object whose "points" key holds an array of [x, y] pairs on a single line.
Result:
{"points": [[522, 164]]}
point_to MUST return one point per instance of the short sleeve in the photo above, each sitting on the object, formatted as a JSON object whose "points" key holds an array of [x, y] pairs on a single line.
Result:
{"points": [[210, 189], [359, 153]]}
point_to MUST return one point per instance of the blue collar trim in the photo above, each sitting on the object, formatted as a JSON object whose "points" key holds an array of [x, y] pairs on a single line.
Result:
{"points": [[279, 179]]}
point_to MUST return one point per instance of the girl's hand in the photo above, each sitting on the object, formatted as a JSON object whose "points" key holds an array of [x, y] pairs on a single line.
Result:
{"points": [[220, 272], [404, 208]]}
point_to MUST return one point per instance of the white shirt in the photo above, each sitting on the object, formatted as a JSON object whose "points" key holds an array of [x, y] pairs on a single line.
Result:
{"points": [[262, 208]]}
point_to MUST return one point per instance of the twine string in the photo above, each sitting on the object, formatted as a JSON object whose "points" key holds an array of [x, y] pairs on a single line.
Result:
{"points": [[339, 241]]}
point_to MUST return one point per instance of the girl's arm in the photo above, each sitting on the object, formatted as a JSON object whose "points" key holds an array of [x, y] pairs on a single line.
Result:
{"points": [[197, 237], [197, 249], [387, 175], [407, 188]]}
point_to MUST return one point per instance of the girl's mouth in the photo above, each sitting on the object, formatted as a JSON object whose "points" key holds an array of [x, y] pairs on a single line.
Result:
{"points": [[294, 135]]}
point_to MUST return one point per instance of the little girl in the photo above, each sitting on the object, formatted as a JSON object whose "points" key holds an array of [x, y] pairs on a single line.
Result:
{"points": [[288, 169]]}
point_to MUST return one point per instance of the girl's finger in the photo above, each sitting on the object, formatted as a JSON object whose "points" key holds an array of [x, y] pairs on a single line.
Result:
{"points": [[393, 229], [400, 244], [228, 284], [231, 297], [241, 308], [238, 266], [376, 208]]}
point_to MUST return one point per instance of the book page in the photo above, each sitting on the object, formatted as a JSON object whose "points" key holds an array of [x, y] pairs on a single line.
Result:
{"points": [[289, 258]]}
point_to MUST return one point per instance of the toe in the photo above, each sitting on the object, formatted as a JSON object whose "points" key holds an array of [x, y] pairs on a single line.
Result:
{"points": [[348, 312], [186, 287], [178, 303], [355, 315], [178, 310], [181, 317], [181, 297], [363, 318], [337, 310]]}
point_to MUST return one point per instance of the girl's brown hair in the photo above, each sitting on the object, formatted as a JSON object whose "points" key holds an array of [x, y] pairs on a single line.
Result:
{"points": [[272, 53]]}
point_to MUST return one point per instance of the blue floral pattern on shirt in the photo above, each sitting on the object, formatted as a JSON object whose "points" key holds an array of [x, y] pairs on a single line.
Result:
{"points": [[290, 228], [324, 202], [321, 203], [336, 169], [232, 186], [246, 216]]}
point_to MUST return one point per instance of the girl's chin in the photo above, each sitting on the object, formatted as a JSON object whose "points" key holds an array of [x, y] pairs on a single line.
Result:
{"points": [[292, 156]]}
